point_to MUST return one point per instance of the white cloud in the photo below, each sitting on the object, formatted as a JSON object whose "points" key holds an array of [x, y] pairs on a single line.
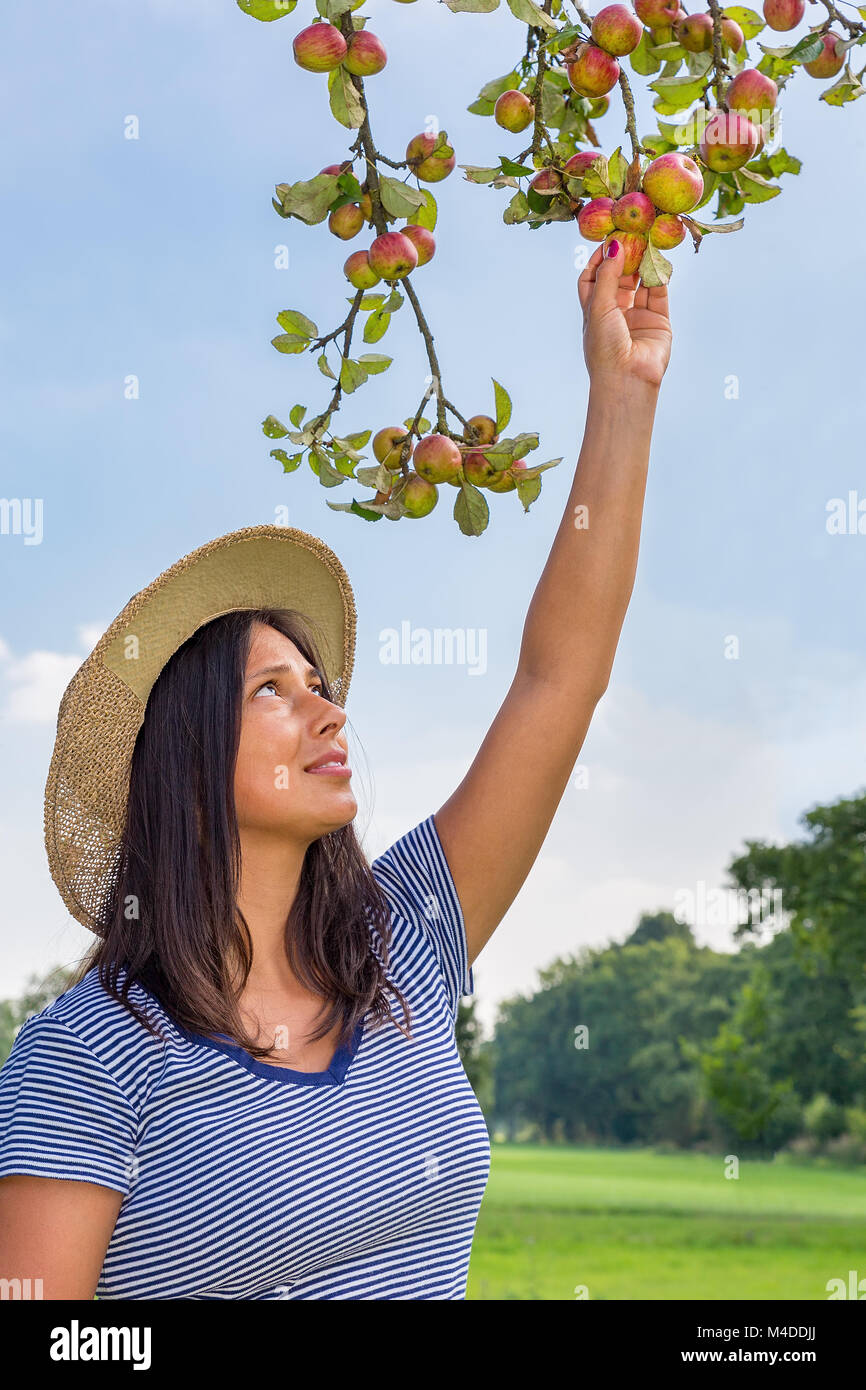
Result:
{"points": [[32, 685]]}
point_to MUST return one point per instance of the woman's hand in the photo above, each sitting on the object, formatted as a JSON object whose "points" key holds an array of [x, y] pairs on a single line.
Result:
{"points": [[626, 329]]}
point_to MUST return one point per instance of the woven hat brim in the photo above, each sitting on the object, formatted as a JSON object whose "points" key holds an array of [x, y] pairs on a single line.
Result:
{"points": [[103, 706]]}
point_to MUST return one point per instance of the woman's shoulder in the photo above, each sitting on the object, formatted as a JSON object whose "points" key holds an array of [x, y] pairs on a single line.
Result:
{"points": [[88, 1019]]}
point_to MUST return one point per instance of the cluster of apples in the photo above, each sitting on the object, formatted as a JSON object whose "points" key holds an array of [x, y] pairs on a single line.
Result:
{"points": [[393, 254], [322, 48], [593, 70], [437, 458]]}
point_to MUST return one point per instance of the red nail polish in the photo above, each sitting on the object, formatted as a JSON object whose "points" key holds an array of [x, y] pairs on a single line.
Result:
{"points": [[612, 249]]}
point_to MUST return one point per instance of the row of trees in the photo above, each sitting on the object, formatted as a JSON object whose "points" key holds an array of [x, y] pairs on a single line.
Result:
{"points": [[658, 1041]]}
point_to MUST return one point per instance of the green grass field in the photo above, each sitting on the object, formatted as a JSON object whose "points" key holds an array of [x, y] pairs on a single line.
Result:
{"points": [[634, 1224]]}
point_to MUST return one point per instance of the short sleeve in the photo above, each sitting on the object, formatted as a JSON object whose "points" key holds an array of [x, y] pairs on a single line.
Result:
{"points": [[62, 1114], [415, 877]]}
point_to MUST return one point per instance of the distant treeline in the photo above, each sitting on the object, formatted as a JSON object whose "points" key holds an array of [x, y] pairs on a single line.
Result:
{"points": [[656, 1041]]}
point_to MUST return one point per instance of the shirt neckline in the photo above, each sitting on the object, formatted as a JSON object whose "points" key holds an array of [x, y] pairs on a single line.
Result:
{"points": [[335, 1075]]}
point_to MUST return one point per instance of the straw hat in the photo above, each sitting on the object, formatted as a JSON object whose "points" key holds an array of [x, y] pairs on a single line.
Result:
{"points": [[103, 706]]}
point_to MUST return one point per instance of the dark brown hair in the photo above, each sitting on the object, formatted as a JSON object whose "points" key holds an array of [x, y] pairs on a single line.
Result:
{"points": [[179, 866]]}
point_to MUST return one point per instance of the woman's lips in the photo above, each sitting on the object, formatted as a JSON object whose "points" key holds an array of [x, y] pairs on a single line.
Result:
{"points": [[336, 770]]}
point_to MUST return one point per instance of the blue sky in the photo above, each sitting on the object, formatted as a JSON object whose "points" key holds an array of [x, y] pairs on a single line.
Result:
{"points": [[155, 257]]}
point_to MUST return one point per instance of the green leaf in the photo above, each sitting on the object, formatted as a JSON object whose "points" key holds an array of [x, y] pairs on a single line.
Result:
{"points": [[750, 22], [346, 105], [705, 227], [617, 168], [804, 51], [324, 368], [352, 375], [346, 447], [427, 213], [654, 269], [847, 88], [328, 475], [527, 490], [753, 187], [371, 301], [508, 166], [530, 13], [310, 200], [398, 198], [289, 464], [491, 91], [667, 52], [476, 173], [358, 439], [780, 162], [517, 210], [355, 507], [293, 321], [471, 511], [273, 429], [375, 362], [266, 9], [502, 406], [472, 6], [642, 60], [678, 92], [597, 181], [296, 414], [376, 326], [290, 342], [332, 9]]}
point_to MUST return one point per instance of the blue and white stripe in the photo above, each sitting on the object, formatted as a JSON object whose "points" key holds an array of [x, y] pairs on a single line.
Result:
{"points": [[247, 1181]]}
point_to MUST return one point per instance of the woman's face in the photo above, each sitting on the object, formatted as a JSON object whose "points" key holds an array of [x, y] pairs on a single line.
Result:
{"points": [[287, 725]]}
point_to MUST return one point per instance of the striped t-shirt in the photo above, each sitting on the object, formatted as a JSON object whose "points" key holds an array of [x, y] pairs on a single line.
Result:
{"points": [[245, 1180]]}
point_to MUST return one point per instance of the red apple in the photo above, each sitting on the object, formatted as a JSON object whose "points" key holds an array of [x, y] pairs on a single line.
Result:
{"points": [[593, 71], [346, 221], [752, 93], [423, 241], [828, 61], [674, 182], [658, 14], [633, 244], [695, 33], [365, 54], [392, 256], [784, 14], [633, 212], [418, 496], [594, 220], [426, 165], [485, 430], [319, 48], [387, 446], [667, 231], [547, 181], [732, 35], [438, 458], [359, 272], [616, 30], [332, 169], [477, 469], [577, 165], [729, 141], [514, 111]]}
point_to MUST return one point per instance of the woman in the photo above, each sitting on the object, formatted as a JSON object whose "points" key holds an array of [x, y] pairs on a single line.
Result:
{"points": [[253, 1089]]}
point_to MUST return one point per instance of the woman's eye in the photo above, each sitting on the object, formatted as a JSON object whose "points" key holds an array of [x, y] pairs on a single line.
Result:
{"points": [[269, 685]]}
